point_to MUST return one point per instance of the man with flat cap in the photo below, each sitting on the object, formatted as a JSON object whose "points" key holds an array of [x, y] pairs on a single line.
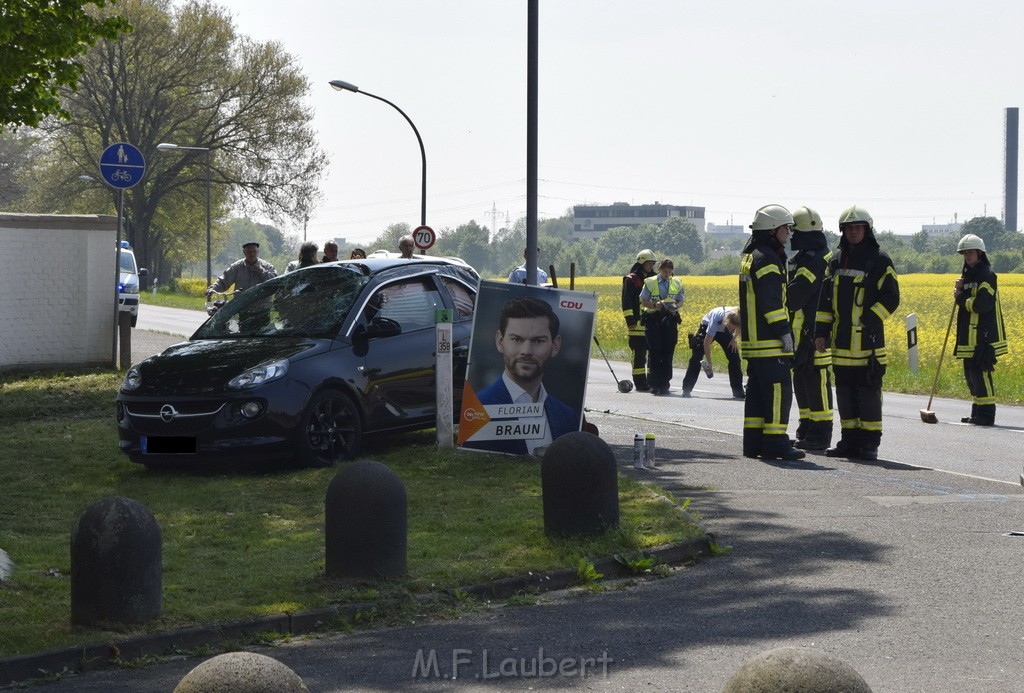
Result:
{"points": [[245, 273]]}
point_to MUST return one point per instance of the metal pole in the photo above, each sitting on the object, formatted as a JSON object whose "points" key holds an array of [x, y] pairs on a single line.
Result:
{"points": [[209, 272], [532, 43], [117, 276]]}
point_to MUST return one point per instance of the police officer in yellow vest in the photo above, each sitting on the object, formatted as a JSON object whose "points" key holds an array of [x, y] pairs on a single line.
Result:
{"points": [[766, 337], [661, 297]]}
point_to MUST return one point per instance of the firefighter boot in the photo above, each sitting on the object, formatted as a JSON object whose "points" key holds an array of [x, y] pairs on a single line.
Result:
{"points": [[818, 437], [974, 415], [752, 442], [848, 445], [986, 415]]}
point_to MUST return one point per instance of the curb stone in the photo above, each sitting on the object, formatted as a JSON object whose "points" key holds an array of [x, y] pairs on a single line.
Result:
{"points": [[23, 668]]}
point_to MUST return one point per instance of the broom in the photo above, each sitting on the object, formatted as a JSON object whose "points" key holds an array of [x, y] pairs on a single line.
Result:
{"points": [[927, 415]]}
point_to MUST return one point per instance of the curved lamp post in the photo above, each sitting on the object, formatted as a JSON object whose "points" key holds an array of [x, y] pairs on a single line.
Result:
{"points": [[345, 86], [167, 146]]}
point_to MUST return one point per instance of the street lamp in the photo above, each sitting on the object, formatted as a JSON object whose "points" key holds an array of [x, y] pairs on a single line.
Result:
{"points": [[345, 86], [165, 147]]}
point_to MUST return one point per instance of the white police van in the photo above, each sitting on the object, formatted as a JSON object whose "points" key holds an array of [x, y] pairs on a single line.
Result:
{"points": [[128, 283]]}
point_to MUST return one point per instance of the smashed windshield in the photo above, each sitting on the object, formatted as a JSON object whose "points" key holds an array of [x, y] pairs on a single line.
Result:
{"points": [[311, 302]]}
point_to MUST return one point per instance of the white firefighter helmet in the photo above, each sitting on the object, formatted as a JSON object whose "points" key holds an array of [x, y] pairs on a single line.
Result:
{"points": [[771, 217], [646, 255], [970, 242], [806, 219], [854, 214]]}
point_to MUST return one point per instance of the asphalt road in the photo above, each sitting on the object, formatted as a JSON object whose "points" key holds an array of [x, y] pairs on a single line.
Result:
{"points": [[990, 453]]}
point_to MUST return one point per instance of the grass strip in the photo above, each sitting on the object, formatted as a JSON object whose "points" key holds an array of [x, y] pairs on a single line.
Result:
{"points": [[240, 543]]}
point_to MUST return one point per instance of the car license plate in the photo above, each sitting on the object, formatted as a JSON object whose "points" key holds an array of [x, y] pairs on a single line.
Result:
{"points": [[168, 445]]}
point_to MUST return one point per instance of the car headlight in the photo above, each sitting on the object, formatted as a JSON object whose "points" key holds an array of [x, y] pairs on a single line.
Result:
{"points": [[131, 288], [260, 375], [132, 380]]}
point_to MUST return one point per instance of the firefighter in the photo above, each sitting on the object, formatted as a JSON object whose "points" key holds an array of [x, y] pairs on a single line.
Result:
{"points": [[632, 311], [980, 336], [812, 383], [661, 297], [861, 290], [766, 339]]}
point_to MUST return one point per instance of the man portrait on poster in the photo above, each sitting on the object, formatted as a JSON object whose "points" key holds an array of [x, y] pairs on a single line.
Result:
{"points": [[523, 415]]}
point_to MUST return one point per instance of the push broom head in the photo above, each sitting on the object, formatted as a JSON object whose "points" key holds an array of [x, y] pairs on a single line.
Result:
{"points": [[928, 416]]}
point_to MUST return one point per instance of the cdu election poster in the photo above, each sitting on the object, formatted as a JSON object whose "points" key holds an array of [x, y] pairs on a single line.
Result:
{"points": [[528, 360]]}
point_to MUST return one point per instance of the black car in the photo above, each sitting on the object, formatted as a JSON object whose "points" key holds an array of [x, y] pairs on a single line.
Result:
{"points": [[302, 366]]}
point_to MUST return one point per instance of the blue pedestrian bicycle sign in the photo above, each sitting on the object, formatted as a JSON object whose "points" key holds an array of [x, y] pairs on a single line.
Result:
{"points": [[122, 165]]}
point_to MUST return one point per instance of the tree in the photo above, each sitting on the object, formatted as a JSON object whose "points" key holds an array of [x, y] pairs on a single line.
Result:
{"points": [[40, 43], [184, 76], [468, 241], [17, 152], [621, 240], [993, 232], [679, 236], [920, 241], [507, 249], [389, 239], [559, 227]]}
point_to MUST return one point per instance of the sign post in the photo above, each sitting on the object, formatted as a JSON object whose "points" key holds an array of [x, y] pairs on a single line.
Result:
{"points": [[912, 343], [122, 166], [424, 238], [445, 400]]}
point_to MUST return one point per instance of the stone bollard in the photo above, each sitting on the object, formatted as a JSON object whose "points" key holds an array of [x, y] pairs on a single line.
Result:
{"points": [[366, 530], [796, 669], [115, 564], [241, 672], [580, 486], [6, 566]]}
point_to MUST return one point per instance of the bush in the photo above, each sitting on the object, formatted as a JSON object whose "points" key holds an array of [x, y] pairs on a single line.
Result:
{"points": [[194, 286]]}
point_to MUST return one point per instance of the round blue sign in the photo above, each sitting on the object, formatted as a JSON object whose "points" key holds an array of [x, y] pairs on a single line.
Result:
{"points": [[122, 165]]}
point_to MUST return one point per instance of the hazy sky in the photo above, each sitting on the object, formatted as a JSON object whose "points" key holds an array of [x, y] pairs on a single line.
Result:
{"points": [[895, 105]]}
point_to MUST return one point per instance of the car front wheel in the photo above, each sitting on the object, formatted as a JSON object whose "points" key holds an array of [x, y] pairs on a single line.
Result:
{"points": [[331, 430]]}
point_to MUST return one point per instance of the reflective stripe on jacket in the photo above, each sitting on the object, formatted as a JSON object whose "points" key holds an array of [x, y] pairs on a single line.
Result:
{"points": [[762, 302], [980, 315], [675, 288], [803, 291], [861, 290]]}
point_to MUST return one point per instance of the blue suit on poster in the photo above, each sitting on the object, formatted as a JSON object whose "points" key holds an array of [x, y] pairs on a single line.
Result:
{"points": [[561, 418]]}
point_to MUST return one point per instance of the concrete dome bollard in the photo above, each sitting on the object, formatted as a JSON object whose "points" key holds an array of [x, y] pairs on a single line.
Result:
{"points": [[241, 672], [366, 527], [580, 486], [115, 564], [795, 670]]}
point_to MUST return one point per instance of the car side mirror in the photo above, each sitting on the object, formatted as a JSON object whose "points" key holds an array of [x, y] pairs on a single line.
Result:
{"points": [[143, 271], [378, 328]]}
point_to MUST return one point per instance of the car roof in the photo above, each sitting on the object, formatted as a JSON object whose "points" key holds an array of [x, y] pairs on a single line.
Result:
{"points": [[377, 264]]}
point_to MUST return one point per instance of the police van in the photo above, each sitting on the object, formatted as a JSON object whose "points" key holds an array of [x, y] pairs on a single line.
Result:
{"points": [[128, 282]]}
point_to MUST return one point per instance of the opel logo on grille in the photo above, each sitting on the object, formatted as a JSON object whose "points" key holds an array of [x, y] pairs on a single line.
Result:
{"points": [[168, 412]]}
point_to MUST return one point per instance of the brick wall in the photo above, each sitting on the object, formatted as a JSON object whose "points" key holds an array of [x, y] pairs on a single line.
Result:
{"points": [[57, 290]]}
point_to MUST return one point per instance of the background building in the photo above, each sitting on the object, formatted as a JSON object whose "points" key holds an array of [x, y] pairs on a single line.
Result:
{"points": [[941, 229], [590, 221]]}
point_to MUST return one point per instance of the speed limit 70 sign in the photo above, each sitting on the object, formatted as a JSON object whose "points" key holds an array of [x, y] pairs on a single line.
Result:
{"points": [[424, 237]]}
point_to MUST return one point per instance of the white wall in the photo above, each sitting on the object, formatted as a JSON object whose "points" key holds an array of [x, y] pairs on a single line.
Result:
{"points": [[57, 290]]}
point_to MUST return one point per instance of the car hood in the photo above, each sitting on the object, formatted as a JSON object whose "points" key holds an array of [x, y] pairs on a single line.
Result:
{"points": [[204, 366]]}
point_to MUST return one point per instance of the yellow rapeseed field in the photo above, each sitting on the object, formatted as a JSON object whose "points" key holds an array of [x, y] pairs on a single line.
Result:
{"points": [[930, 296]]}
